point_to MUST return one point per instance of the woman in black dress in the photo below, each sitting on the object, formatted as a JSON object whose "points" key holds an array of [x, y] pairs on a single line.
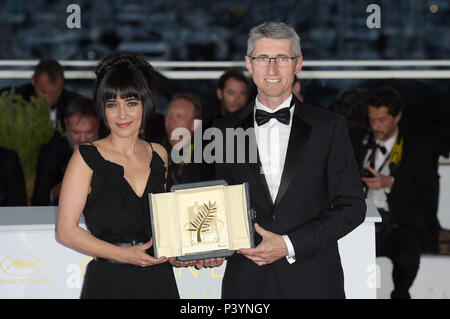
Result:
{"points": [[109, 181]]}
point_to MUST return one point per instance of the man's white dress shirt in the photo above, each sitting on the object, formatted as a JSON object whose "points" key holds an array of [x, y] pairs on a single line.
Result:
{"points": [[272, 139], [379, 196]]}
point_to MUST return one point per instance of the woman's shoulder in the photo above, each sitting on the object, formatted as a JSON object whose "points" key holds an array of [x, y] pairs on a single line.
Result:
{"points": [[81, 159], [159, 149], [102, 143], [90, 154]]}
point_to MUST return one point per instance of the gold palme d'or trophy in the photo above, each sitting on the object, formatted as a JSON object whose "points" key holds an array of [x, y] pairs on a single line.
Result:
{"points": [[203, 223], [201, 220]]}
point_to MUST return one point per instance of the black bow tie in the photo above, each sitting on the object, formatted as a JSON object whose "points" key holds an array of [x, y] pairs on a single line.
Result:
{"points": [[283, 116], [382, 149]]}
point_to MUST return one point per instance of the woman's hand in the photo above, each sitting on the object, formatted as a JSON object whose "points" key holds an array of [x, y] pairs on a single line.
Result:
{"points": [[136, 255]]}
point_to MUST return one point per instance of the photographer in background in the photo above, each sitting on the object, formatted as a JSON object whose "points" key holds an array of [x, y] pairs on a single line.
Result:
{"points": [[397, 170]]}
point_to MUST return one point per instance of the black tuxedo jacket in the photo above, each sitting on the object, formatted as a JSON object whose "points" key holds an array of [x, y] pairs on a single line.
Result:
{"points": [[320, 199], [416, 183], [52, 163], [12, 181]]}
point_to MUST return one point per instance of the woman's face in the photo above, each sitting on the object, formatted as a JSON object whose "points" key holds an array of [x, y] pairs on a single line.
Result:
{"points": [[124, 116]]}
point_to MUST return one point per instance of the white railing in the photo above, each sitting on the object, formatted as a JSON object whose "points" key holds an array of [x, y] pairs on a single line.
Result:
{"points": [[431, 69]]}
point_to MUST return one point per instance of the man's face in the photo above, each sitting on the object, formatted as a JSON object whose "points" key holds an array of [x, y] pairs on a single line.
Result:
{"points": [[382, 123], [81, 129], [43, 87], [274, 83], [233, 96], [180, 114]]}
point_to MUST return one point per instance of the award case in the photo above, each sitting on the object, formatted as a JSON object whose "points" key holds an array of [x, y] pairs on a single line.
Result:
{"points": [[201, 220]]}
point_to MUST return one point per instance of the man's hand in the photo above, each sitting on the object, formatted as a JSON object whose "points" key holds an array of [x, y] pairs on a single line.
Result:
{"points": [[199, 264], [209, 263], [268, 251], [378, 181], [179, 264]]}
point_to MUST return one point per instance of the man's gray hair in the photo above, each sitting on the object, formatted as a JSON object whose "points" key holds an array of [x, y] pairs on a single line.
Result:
{"points": [[274, 30]]}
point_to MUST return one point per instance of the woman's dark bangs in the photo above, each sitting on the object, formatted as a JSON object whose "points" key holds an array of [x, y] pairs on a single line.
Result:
{"points": [[122, 83]]}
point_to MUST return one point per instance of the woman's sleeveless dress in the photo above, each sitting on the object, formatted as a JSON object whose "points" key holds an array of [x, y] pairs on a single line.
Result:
{"points": [[116, 214]]}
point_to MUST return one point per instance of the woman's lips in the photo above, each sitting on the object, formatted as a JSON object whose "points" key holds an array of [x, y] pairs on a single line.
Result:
{"points": [[123, 125]]}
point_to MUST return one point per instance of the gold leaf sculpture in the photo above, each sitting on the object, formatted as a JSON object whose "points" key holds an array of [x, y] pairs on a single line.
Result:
{"points": [[204, 219]]}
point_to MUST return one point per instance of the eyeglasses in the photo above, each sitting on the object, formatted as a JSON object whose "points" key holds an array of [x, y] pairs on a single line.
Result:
{"points": [[279, 60]]}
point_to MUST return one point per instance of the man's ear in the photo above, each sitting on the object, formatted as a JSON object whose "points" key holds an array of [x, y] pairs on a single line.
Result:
{"points": [[33, 80], [248, 64], [219, 94], [398, 117], [299, 64]]}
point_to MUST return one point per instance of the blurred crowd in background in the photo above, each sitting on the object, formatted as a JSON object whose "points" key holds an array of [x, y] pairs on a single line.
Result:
{"points": [[36, 144]]}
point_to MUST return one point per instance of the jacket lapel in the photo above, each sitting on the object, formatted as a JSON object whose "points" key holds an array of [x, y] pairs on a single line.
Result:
{"points": [[300, 130]]}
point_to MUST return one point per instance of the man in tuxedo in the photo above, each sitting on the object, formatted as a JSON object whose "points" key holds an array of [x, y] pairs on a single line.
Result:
{"points": [[398, 174], [304, 184], [82, 126], [426, 110]]}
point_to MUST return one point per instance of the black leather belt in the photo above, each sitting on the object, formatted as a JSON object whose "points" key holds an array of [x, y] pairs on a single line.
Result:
{"points": [[125, 245]]}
